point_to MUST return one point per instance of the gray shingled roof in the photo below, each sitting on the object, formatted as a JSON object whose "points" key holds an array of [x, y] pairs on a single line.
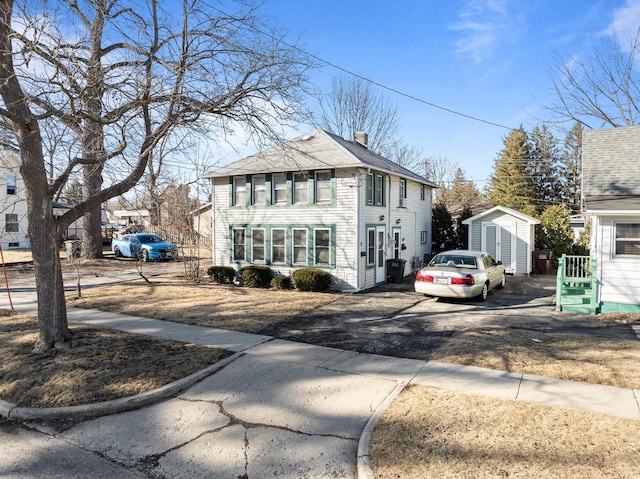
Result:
{"points": [[611, 168], [313, 151]]}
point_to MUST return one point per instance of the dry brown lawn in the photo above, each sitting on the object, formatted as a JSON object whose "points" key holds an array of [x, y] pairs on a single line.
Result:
{"points": [[102, 364], [434, 433], [613, 362], [248, 310]]}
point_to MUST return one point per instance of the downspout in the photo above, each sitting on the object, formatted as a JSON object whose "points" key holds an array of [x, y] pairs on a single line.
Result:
{"points": [[358, 228]]}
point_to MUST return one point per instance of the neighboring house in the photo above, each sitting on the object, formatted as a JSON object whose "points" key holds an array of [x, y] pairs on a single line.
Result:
{"points": [[201, 219], [133, 216], [321, 201], [13, 203], [611, 198], [507, 235], [74, 230]]}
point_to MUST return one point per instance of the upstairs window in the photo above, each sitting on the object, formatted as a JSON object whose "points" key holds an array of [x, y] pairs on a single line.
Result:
{"points": [[375, 189], [628, 239], [11, 185], [323, 186], [423, 192], [279, 182], [300, 189], [259, 192], [403, 192], [239, 191]]}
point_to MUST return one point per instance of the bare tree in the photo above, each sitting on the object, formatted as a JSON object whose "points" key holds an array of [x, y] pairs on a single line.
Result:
{"points": [[129, 76], [353, 105], [602, 89]]}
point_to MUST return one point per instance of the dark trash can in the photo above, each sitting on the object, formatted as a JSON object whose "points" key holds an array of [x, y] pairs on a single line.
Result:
{"points": [[395, 270]]}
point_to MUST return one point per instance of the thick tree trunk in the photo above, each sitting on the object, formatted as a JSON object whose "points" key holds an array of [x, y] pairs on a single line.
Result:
{"points": [[52, 311]]}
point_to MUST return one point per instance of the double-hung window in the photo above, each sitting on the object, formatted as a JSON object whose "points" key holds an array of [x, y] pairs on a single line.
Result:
{"points": [[375, 189], [299, 238], [257, 245], [258, 193], [11, 185], [627, 239], [11, 224], [322, 246], [279, 184], [278, 238], [403, 192], [300, 189], [238, 244], [239, 191], [323, 186]]}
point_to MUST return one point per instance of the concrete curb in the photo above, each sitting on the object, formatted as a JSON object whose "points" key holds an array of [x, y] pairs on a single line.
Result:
{"points": [[87, 411], [363, 465]]}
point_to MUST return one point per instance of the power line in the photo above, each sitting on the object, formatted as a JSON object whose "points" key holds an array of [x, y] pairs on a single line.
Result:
{"points": [[373, 82]]}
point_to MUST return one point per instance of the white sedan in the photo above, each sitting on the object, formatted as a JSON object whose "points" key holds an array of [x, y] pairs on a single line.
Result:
{"points": [[460, 274]]}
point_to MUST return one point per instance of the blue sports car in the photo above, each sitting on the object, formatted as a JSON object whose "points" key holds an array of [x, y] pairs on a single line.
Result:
{"points": [[143, 246]]}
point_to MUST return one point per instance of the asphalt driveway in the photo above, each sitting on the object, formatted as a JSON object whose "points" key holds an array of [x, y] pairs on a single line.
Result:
{"points": [[393, 320]]}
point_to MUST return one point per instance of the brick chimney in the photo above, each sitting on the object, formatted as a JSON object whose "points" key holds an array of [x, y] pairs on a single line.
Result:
{"points": [[362, 138]]}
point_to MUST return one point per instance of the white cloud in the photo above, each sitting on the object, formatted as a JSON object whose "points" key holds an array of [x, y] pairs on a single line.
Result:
{"points": [[484, 25], [626, 21]]}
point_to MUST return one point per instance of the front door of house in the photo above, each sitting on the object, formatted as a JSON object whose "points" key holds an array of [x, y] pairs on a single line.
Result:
{"points": [[381, 270]]}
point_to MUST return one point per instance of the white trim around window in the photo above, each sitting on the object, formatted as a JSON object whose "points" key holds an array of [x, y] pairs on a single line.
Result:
{"points": [[626, 238], [322, 246], [299, 246], [278, 245], [258, 245]]}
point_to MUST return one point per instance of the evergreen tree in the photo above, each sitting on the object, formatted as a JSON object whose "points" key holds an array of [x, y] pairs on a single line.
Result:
{"points": [[444, 236], [462, 231], [510, 184], [462, 191], [572, 169], [544, 168]]}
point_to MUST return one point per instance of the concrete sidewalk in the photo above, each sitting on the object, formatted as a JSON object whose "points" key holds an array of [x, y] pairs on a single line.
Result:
{"points": [[275, 407]]}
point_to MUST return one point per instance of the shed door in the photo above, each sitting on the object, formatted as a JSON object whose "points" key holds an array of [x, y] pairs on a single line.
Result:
{"points": [[499, 242]]}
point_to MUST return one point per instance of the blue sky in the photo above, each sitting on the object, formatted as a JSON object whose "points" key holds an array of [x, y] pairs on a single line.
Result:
{"points": [[489, 59]]}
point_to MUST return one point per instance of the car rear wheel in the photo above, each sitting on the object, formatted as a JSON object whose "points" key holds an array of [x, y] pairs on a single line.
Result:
{"points": [[503, 281], [116, 252], [144, 255], [485, 293]]}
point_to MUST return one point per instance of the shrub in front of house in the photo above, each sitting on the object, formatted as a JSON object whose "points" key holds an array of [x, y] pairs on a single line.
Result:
{"points": [[311, 279], [281, 282], [256, 276], [221, 274]]}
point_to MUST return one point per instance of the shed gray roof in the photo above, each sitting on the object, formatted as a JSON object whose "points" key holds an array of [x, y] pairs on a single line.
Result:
{"points": [[314, 151], [611, 168]]}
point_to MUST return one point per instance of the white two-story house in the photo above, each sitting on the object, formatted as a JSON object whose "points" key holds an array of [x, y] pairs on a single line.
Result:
{"points": [[321, 201]]}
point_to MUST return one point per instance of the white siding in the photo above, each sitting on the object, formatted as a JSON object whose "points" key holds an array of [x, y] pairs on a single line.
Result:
{"points": [[349, 224], [341, 218], [619, 280]]}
